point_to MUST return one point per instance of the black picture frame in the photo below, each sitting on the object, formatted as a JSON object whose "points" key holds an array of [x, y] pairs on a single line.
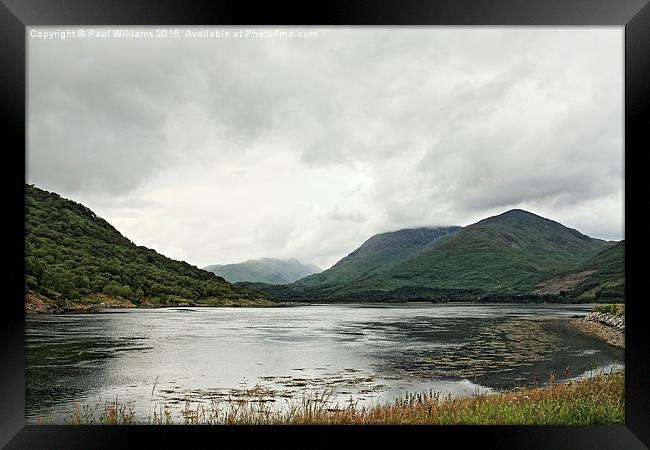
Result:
{"points": [[16, 15]]}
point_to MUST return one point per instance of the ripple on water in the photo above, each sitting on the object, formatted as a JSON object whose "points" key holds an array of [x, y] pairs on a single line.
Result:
{"points": [[369, 354]]}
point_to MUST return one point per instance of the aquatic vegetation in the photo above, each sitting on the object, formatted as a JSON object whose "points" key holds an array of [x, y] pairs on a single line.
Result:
{"points": [[596, 400]]}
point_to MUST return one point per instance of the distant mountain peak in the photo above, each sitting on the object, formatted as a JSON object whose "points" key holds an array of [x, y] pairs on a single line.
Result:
{"points": [[264, 270], [518, 213]]}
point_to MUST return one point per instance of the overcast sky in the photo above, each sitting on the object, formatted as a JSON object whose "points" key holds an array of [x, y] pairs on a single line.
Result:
{"points": [[221, 150]]}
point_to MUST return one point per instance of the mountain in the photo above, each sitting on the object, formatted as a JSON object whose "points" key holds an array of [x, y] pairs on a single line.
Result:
{"points": [[378, 254], [264, 270], [73, 255], [511, 251], [504, 257]]}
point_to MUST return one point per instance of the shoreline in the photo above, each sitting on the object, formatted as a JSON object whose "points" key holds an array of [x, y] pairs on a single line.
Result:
{"points": [[600, 331], [30, 308], [599, 325], [38, 304]]}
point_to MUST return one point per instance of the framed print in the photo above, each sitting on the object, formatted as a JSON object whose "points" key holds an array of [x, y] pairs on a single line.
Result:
{"points": [[363, 218]]}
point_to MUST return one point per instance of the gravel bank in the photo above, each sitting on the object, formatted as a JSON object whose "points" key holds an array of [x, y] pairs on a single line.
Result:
{"points": [[605, 326]]}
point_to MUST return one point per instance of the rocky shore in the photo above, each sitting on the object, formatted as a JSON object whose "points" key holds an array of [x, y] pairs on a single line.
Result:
{"points": [[606, 326], [39, 304]]}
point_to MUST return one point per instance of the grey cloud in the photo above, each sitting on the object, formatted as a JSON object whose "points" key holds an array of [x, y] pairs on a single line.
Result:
{"points": [[304, 148], [325, 153], [568, 155], [345, 216]]}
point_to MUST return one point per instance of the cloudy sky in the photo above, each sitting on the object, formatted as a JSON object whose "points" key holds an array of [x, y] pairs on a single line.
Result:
{"points": [[221, 150]]}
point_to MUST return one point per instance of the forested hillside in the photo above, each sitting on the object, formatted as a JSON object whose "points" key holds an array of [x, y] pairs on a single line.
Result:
{"points": [[71, 254]]}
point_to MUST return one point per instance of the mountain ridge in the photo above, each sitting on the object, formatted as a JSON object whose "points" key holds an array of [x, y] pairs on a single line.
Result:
{"points": [[71, 254], [264, 270], [505, 256]]}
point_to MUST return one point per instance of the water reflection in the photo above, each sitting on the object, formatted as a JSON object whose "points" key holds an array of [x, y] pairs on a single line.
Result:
{"points": [[371, 353]]}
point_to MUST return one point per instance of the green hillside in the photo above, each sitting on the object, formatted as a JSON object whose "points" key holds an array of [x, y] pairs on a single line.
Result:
{"points": [[376, 255], [502, 257], [73, 255], [264, 270], [509, 252], [599, 279]]}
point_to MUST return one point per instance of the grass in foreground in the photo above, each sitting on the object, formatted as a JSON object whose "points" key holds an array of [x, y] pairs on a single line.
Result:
{"points": [[616, 309], [594, 401]]}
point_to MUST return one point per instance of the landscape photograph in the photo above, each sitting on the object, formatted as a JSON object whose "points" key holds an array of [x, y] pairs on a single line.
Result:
{"points": [[324, 225]]}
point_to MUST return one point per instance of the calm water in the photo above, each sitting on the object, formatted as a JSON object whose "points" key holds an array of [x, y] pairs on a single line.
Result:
{"points": [[371, 353]]}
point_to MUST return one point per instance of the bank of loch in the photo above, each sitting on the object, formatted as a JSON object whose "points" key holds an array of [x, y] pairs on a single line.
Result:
{"points": [[606, 322], [38, 304]]}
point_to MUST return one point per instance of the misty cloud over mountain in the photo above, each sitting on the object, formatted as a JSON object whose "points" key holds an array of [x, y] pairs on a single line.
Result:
{"points": [[219, 151]]}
